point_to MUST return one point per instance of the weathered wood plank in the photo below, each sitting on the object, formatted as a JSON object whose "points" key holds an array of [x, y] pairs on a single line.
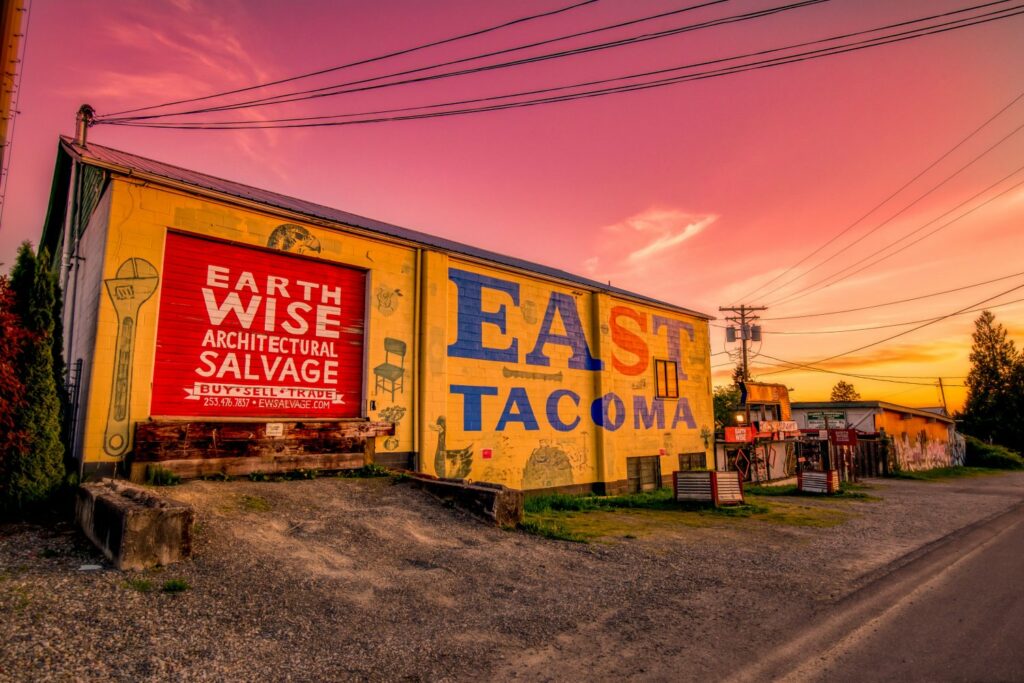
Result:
{"points": [[240, 467]]}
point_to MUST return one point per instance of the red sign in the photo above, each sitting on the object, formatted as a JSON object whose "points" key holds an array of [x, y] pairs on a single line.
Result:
{"points": [[250, 333], [739, 434], [843, 437]]}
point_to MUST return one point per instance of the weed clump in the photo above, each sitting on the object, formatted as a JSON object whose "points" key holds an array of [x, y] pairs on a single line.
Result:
{"points": [[140, 585], [175, 586], [160, 476], [365, 472], [255, 503], [555, 531]]}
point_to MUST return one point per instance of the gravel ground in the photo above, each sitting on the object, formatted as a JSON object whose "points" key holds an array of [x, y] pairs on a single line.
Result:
{"points": [[338, 579]]}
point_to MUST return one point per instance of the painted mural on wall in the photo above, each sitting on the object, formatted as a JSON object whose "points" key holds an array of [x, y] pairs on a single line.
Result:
{"points": [[389, 376], [293, 238], [387, 300], [133, 284], [560, 408], [454, 463], [250, 333], [918, 452], [394, 415], [547, 467]]}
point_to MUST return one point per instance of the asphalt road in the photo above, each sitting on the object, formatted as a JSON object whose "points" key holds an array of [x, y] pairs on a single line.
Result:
{"points": [[952, 612]]}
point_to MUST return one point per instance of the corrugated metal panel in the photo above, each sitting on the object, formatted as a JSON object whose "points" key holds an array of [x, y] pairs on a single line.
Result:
{"points": [[131, 162]]}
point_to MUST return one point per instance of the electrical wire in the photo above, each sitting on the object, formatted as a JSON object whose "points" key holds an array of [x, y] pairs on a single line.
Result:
{"points": [[871, 378], [880, 327], [906, 332], [361, 62], [322, 91], [345, 88], [841, 49], [893, 303], [887, 199], [809, 290], [903, 210]]}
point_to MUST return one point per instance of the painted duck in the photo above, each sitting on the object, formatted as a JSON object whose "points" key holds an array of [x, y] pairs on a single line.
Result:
{"points": [[454, 463]]}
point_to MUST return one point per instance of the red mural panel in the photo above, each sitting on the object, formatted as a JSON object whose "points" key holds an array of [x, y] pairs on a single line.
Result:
{"points": [[244, 332]]}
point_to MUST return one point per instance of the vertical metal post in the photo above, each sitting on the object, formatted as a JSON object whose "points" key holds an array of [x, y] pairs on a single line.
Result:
{"points": [[82, 122]]}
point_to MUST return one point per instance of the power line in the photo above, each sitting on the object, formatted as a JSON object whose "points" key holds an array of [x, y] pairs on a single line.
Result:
{"points": [[898, 301], [799, 294], [887, 199], [330, 90], [906, 332], [361, 62], [872, 378], [908, 322], [888, 220], [841, 49], [323, 91]]}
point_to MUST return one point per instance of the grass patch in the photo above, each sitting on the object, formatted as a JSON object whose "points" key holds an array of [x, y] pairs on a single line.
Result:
{"points": [[365, 472], [175, 586], [788, 513], [588, 517], [159, 476], [847, 491], [939, 473], [254, 503], [140, 585], [551, 529]]}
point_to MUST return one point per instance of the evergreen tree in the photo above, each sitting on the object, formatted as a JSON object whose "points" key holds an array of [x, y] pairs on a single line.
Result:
{"points": [[995, 364], [36, 469], [844, 391]]}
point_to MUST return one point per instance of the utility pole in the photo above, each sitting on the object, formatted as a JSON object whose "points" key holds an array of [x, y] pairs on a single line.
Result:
{"points": [[748, 331], [942, 390]]}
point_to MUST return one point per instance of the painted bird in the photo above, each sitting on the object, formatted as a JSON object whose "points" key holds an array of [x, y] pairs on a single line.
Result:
{"points": [[456, 462]]}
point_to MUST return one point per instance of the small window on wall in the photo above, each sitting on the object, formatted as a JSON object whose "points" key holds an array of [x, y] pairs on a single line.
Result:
{"points": [[666, 379]]}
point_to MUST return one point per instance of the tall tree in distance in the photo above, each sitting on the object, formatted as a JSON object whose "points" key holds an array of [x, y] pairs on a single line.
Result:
{"points": [[989, 411], [844, 391]]}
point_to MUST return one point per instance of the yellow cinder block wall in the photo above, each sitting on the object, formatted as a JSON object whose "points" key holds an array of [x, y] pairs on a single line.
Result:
{"points": [[548, 416]]}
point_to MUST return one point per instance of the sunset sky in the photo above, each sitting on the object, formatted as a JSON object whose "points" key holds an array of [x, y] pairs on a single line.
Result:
{"points": [[698, 193]]}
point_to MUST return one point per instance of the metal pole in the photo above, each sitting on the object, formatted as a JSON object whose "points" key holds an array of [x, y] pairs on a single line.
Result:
{"points": [[82, 122]]}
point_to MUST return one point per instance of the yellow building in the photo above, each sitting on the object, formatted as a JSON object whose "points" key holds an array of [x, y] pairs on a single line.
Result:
{"points": [[215, 327]]}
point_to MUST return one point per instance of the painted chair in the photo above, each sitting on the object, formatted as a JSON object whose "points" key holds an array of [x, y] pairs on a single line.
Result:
{"points": [[388, 376]]}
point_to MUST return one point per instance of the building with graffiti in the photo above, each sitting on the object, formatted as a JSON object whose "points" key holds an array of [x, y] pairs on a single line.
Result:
{"points": [[921, 438], [213, 327]]}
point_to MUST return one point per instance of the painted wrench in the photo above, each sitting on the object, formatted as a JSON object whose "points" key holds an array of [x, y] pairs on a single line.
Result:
{"points": [[133, 284]]}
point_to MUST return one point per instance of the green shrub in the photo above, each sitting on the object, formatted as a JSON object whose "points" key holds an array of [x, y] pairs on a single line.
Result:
{"points": [[981, 454]]}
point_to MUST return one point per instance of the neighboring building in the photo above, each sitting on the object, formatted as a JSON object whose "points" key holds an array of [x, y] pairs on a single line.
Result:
{"points": [[922, 437], [213, 326], [762, 442]]}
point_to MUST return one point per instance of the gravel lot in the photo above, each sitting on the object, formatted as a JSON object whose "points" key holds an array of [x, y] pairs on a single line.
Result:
{"points": [[337, 579]]}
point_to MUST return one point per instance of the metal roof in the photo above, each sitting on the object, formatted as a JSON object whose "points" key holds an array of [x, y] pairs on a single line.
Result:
{"points": [[883, 405], [131, 164]]}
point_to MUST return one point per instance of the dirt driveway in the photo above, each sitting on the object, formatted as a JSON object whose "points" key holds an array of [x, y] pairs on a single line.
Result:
{"points": [[340, 579]]}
